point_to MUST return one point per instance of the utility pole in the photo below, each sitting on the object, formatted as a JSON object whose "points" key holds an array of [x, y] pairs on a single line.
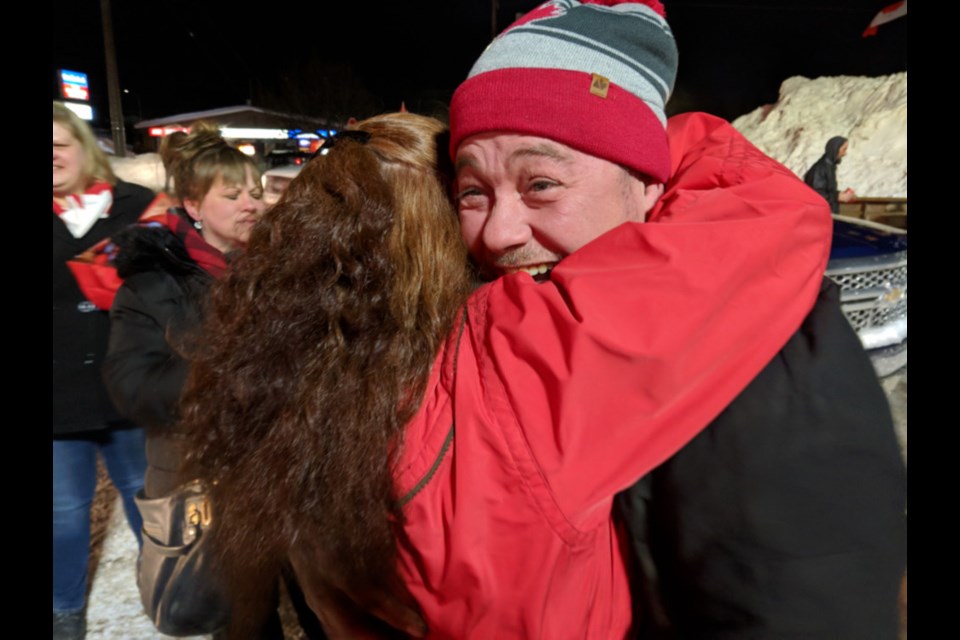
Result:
{"points": [[113, 83], [493, 19]]}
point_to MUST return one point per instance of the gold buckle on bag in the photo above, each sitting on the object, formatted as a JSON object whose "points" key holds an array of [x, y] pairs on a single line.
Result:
{"points": [[198, 514]]}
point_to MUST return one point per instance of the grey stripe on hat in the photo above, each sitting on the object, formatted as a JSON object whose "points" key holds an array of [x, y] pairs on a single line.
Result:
{"points": [[539, 51], [632, 9], [629, 44], [636, 31], [600, 51]]}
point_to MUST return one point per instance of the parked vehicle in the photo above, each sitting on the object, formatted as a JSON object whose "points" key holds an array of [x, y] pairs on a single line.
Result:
{"points": [[869, 262], [275, 182], [283, 157]]}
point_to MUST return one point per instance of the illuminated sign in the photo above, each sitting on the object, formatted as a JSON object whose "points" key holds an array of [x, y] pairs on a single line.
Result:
{"points": [[159, 132], [253, 133], [73, 85], [83, 111]]}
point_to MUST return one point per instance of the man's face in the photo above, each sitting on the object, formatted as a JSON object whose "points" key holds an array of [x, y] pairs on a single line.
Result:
{"points": [[526, 202], [274, 188]]}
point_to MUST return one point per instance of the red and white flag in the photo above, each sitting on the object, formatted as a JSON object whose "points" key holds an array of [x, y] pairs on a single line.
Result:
{"points": [[892, 12]]}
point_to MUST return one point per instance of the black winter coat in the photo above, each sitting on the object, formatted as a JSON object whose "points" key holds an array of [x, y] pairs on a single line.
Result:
{"points": [[822, 176], [785, 517], [159, 303], [80, 330]]}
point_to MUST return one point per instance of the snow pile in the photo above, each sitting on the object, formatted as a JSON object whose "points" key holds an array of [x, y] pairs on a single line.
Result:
{"points": [[144, 169], [870, 112]]}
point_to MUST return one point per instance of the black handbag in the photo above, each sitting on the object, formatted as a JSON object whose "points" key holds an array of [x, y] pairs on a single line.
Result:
{"points": [[180, 591]]}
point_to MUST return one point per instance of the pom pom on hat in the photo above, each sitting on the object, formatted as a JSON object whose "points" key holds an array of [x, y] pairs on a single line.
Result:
{"points": [[593, 75]]}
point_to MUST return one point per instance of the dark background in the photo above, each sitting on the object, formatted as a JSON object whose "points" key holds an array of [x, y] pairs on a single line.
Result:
{"points": [[336, 60]]}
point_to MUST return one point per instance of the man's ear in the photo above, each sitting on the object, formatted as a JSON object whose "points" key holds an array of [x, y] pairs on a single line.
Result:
{"points": [[651, 195]]}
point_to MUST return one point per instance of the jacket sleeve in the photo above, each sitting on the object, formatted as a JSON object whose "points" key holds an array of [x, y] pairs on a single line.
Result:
{"points": [[143, 374], [786, 516], [643, 336], [822, 178], [819, 180]]}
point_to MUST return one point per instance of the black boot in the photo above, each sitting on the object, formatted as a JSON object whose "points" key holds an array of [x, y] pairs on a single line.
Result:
{"points": [[70, 625]]}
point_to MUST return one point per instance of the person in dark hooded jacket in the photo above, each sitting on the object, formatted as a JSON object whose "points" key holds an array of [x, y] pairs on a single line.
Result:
{"points": [[822, 176]]}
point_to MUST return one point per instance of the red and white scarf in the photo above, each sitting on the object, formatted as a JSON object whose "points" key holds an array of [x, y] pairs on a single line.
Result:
{"points": [[94, 268], [82, 211]]}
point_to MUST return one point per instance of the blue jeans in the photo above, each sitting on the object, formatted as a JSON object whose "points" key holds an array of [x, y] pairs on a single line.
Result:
{"points": [[74, 484]]}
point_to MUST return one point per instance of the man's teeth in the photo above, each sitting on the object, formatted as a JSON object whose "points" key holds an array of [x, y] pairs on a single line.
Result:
{"points": [[534, 270]]}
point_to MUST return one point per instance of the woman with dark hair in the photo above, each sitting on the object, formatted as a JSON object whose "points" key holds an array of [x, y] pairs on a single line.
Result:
{"points": [[317, 353], [89, 204]]}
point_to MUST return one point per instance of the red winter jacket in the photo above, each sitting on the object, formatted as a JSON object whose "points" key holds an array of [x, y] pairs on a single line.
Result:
{"points": [[559, 395]]}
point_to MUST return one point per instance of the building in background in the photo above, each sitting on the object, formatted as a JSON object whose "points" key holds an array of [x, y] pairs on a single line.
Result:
{"points": [[272, 137]]}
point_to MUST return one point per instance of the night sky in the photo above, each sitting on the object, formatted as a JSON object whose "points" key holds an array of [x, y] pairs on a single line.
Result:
{"points": [[360, 58]]}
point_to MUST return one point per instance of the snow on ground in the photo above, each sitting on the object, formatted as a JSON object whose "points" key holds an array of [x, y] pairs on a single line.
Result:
{"points": [[114, 611], [870, 112]]}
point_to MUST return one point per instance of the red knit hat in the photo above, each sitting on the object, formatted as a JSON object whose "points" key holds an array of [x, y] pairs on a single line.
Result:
{"points": [[593, 75]]}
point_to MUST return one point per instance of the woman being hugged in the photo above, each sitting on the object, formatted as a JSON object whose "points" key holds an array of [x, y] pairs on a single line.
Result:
{"points": [[89, 205], [317, 352]]}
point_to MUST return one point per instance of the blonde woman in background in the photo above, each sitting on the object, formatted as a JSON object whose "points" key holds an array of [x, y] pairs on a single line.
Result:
{"points": [[89, 205]]}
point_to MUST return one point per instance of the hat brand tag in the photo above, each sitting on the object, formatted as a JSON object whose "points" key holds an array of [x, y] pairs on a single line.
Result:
{"points": [[599, 85]]}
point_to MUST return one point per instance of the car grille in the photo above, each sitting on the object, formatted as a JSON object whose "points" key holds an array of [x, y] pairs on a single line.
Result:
{"points": [[870, 279], [872, 294], [863, 318]]}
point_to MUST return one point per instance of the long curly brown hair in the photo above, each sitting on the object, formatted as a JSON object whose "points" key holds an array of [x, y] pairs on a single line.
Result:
{"points": [[316, 351]]}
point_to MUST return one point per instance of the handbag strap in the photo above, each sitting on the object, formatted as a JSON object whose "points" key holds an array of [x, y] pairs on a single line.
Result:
{"points": [[449, 439]]}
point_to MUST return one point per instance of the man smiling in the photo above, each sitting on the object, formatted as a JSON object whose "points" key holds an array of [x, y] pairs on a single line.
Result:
{"points": [[655, 308], [522, 200], [784, 517]]}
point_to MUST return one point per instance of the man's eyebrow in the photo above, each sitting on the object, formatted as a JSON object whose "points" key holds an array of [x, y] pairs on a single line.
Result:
{"points": [[463, 163], [542, 150]]}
